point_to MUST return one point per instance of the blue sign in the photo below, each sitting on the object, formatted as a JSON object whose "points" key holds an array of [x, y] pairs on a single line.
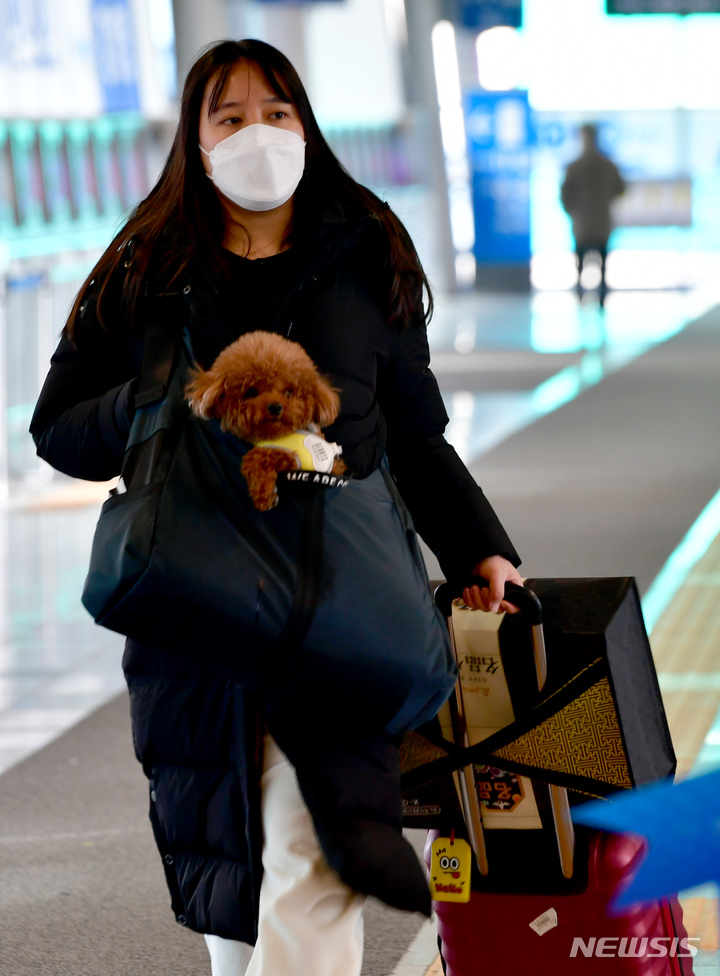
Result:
{"points": [[26, 35], [482, 14], [114, 33], [499, 134]]}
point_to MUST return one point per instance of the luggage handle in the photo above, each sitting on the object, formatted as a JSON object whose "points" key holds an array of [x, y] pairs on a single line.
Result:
{"points": [[521, 597], [529, 605]]}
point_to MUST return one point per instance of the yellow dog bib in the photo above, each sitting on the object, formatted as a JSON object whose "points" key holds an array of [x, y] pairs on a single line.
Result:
{"points": [[315, 453]]}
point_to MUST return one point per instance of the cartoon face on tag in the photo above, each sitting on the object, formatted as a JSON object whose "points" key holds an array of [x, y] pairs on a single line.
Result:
{"points": [[450, 869]]}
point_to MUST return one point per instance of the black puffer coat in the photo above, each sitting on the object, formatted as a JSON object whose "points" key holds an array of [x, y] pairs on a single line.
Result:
{"points": [[591, 184], [196, 726]]}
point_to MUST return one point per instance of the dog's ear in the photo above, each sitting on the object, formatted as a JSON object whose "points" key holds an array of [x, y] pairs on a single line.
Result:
{"points": [[205, 393], [327, 403]]}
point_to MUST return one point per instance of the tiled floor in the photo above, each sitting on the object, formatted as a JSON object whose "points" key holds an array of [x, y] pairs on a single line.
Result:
{"points": [[55, 665], [506, 360], [685, 644]]}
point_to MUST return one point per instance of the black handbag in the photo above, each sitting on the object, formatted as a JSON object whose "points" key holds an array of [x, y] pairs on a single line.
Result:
{"points": [[325, 594], [596, 726], [599, 725]]}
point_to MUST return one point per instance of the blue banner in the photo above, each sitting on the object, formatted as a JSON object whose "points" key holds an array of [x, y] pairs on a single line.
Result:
{"points": [[482, 14], [117, 66], [499, 134], [679, 821]]}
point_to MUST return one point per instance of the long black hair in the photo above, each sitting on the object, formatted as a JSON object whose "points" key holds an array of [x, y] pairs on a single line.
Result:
{"points": [[182, 212]]}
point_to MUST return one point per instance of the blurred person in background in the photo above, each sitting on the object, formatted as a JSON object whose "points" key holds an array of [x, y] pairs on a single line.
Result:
{"points": [[252, 216], [591, 184]]}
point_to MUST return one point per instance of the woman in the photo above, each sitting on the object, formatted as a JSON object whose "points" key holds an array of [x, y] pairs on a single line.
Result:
{"points": [[245, 230]]}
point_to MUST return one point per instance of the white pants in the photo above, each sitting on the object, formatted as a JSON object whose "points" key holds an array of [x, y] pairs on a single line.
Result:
{"points": [[309, 920]]}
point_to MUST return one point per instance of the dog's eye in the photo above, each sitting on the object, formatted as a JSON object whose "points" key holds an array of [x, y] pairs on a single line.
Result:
{"points": [[250, 393], [289, 392]]}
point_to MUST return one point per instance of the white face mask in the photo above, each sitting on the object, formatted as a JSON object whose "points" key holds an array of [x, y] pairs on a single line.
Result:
{"points": [[259, 166]]}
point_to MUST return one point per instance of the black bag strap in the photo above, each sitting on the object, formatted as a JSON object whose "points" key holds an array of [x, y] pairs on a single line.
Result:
{"points": [[160, 349]]}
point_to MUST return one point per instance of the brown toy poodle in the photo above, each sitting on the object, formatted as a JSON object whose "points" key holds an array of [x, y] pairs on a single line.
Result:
{"points": [[265, 389]]}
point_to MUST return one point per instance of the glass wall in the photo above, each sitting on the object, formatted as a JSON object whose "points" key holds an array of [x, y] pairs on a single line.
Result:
{"points": [[86, 90]]}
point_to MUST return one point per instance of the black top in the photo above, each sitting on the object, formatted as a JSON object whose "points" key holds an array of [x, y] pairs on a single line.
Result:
{"points": [[253, 297], [329, 293]]}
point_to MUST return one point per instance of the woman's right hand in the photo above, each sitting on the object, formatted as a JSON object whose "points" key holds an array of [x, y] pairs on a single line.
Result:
{"points": [[497, 571]]}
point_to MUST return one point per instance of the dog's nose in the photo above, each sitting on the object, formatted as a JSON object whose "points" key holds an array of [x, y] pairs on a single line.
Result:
{"points": [[274, 409]]}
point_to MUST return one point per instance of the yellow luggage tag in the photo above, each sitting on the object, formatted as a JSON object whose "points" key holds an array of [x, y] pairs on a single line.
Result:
{"points": [[450, 869]]}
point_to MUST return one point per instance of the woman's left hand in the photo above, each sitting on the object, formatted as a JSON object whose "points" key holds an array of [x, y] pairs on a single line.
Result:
{"points": [[497, 571]]}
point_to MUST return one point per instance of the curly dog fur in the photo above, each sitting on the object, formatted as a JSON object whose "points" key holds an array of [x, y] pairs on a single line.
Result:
{"points": [[263, 387]]}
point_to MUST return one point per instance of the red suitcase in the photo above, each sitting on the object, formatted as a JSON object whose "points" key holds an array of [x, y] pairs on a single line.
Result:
{"points": [[491, 934], [539, 904]]}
